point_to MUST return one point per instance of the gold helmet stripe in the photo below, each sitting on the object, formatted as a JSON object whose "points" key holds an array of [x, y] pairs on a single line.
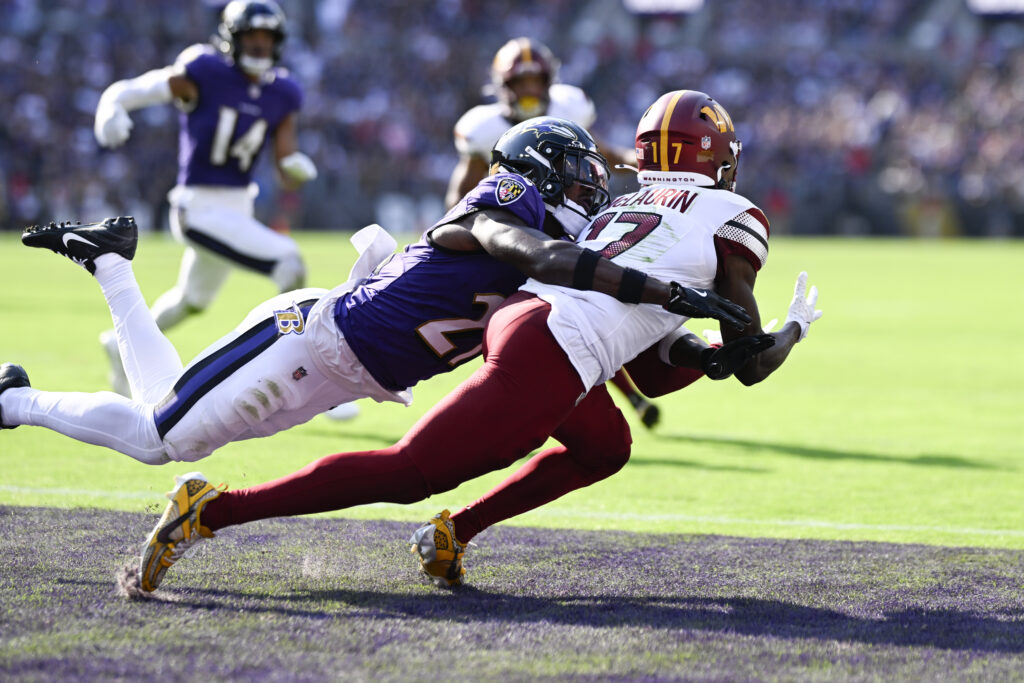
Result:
{"points": [[524, 44], [665, 120]]}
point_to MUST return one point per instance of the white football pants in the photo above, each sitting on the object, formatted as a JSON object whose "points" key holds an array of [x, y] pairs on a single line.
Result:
{"points": [[284, 364], [217, 227]]}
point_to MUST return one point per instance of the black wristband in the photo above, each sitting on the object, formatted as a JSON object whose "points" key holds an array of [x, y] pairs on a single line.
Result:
{"points": [[583, 276], [631, 287]]}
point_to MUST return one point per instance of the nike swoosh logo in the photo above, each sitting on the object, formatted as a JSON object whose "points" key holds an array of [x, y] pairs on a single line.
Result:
{"points": [[70, 236], [700, 293], [164, 535]]}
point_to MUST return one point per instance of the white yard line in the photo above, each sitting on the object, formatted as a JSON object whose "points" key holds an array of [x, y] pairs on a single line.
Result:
{"points": [[32, 491], [967, 531]]}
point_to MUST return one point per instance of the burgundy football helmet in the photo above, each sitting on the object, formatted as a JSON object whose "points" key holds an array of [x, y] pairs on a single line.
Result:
{"points": [[687, 137], [517, 58]]}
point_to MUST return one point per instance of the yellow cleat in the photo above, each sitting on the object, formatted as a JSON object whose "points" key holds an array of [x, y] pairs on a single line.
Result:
{"points": [[440, 552], [178, 529]]}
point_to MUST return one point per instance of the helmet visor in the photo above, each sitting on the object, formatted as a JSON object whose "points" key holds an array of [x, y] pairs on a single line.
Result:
{"points": [[590, 171]]}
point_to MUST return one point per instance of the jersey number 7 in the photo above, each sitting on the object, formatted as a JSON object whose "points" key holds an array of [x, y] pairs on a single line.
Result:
{"points": [[645, 223]]}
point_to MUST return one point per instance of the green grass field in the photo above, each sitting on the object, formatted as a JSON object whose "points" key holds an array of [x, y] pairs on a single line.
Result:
{"points": [[899, 419]]}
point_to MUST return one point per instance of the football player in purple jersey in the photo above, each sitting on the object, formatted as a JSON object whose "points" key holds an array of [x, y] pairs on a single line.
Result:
{"points": [[233, 100], [399, 319]]}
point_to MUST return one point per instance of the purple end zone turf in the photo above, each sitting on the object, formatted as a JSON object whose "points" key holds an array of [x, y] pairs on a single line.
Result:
{"points": [[306, 596]]}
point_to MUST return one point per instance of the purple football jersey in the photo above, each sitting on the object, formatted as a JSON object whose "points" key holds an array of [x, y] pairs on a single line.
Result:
{"points": [[423, 312], [222, 136]]}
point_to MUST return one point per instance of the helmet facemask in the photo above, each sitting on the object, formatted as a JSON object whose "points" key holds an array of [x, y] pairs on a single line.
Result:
{"points": [[521, 74], [561, 159], [526, 105], [574, 186], [255, 66]]}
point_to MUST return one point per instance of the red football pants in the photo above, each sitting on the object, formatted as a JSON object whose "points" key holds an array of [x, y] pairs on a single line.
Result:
{"points": [[525, 391]]}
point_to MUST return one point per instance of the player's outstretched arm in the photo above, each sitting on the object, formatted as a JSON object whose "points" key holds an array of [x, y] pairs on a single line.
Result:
{"points": [[112, 125], [737, 283], [558, 262]]}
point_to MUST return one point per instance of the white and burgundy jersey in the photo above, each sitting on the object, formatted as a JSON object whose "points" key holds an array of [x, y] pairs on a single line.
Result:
{"points": [[478, 129], [672, 232]]}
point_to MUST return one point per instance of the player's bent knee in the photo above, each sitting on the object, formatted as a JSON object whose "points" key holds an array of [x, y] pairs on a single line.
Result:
{"points": [[606, 450], [160, 458], [289, 272], [172, 307]]}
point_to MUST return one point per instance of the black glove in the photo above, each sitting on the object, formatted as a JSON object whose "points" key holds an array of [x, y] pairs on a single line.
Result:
{"points": [[704, 303], [719, 363]]}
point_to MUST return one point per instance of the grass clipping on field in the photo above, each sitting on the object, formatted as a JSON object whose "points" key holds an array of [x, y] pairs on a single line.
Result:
{"points": [[126, 578], [126, 582]]}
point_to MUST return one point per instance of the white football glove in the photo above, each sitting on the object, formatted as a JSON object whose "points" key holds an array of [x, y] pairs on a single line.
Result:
{"points": [[801, 310], [715, 337], [113, 125], [298, 167]]}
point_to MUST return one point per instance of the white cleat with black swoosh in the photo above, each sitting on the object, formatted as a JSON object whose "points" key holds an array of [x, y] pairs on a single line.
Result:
{"points": [[83, 243]]}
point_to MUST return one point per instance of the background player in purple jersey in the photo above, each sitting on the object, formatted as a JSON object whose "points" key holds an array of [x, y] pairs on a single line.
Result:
{"points": [[399, 319], [233, 99]]}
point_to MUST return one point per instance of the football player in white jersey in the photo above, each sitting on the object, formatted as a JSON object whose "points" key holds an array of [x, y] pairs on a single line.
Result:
{"points": [[548, 351], [524, 79], [686, 220]]}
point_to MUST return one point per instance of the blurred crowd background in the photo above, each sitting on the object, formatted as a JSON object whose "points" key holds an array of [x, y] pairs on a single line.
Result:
{"points": [[858, 117]]}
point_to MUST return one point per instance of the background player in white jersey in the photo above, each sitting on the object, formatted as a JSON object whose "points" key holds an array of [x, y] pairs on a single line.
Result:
{"points": [[548, 351], [233, 99], [524, 79], [400, 318]]}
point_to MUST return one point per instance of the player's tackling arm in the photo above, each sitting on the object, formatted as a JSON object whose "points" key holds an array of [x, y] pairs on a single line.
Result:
{"points": [[562, 263]]}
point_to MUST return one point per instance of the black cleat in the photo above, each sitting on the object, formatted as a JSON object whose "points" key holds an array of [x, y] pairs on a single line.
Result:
{"points": [[11, 376], [83, 243], [648, 413]]}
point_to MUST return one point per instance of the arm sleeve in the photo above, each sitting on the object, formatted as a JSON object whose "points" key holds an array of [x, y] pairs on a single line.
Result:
{"points": [[143, 91]]}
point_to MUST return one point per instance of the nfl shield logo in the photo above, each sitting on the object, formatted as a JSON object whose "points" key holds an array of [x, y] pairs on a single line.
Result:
{"points": [[509, 190], [705, 142]]}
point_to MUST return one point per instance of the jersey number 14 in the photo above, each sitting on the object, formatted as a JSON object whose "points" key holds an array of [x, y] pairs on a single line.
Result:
{"points": [[245, 147]]}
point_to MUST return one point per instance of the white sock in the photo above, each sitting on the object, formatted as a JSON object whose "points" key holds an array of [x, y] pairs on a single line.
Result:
{"points": [[114, 273], [150, 361]]}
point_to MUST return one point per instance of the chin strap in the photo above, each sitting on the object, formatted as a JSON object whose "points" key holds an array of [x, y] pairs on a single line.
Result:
{"points": [[570, 216], [255, 66]]}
